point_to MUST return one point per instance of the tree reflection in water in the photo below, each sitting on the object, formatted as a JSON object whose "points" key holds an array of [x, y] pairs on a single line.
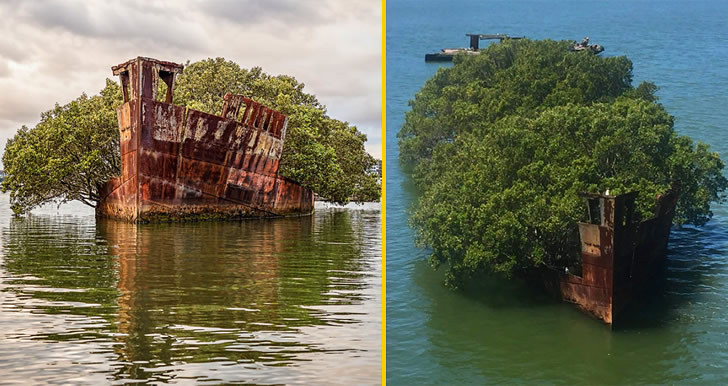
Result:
{"points": [[256, 294]]}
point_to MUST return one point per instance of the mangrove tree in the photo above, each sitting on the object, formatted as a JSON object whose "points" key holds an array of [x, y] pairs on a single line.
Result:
{"points": [[74, 149], [501, 145]]}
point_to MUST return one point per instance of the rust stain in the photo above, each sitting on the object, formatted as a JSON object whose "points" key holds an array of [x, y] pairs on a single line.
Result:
{"points": [[181, 164], [619, 256]]}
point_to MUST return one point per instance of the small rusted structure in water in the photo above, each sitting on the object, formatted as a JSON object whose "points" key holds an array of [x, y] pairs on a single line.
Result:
{"points": [[178, 163], [447, 54], [618, 255]]}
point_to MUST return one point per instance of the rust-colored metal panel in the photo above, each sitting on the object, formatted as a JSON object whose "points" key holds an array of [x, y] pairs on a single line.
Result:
{"points": [[619, 256], [231, 106], [292, 197], [594, 300], [597, 276], [129, 160], [163, 124], [180, 164]]}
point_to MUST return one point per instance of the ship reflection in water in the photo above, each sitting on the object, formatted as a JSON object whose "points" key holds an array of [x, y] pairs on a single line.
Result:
{"points": [[279, 300]]}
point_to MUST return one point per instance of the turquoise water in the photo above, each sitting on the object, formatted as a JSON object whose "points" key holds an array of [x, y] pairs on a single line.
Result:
{"points": [[504, 333]]}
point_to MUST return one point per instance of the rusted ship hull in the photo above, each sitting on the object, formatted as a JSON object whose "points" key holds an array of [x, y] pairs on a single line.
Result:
{"points": [[619, 257], [180, 164]]}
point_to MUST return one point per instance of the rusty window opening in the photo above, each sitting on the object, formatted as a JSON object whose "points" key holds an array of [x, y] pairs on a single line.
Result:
{"points": [[253, 116], [626, 212], [168, 78], [124, 77], [594, 210], [258, 124], [242, 113]]}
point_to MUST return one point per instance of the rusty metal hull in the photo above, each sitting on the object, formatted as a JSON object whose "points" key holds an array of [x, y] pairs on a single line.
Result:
{"points": [[619, 257], [183, 164]]}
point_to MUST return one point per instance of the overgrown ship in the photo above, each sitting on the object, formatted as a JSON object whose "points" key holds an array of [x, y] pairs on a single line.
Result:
{"points": [[620, 257], [183, 164]]}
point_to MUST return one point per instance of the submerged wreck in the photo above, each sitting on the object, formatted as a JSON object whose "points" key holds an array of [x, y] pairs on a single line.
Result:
{"points": [[183, 164], [447, 54], [619, 256]]}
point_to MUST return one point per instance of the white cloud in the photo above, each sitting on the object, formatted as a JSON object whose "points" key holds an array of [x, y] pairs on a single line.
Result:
{"points": [[4, 68], [52, 50]]}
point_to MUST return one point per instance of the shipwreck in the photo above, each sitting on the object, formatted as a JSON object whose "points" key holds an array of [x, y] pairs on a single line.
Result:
{"points": [[178, 163], [447, 54], [619, 256]]}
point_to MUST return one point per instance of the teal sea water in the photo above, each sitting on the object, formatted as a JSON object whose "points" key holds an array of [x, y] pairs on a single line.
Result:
{"points": [[505, 333]]}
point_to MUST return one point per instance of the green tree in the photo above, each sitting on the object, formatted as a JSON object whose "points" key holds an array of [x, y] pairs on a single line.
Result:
{"points": [[320, 152], [502, 143], [75, 147]]}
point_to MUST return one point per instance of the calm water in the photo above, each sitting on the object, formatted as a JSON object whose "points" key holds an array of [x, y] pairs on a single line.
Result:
{"points": [[293, 300], [503, 333]]}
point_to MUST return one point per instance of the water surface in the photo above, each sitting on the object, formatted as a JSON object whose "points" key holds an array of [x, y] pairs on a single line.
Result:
{"points": [[504, 333], [87, 301]]}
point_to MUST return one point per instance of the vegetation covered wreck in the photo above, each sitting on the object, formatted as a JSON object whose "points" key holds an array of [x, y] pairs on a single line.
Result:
{"points": [[179, 163], [501, 146], [619, 256]]}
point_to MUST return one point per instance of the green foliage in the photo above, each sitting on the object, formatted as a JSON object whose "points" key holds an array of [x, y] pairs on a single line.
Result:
{"points": [[517, 77], [67, 156], [502, 144], [322, 153], [75, 147]]}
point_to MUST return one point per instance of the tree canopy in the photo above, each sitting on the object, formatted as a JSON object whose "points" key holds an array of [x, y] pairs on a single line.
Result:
{"points": [[68, 155], [502, 143], [75, 147]]}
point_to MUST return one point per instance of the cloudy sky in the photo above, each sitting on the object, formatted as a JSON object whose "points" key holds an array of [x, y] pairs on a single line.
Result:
{"points": [[54, 50]]}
